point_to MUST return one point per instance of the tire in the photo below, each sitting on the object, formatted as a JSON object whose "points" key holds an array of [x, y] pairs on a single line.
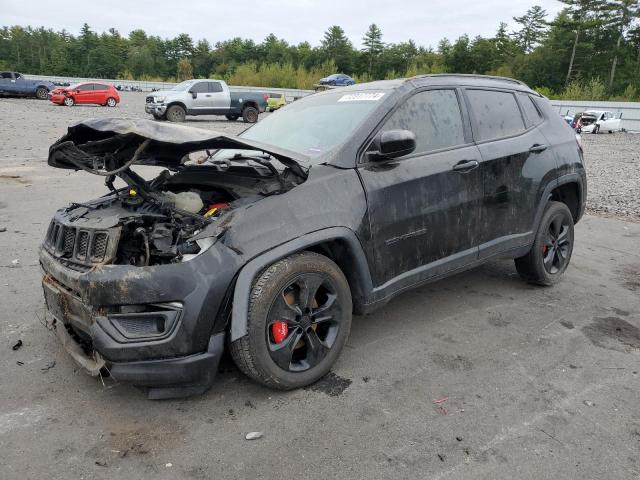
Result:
{"points": [[42, 93], [175, 113], [69, 101], [277, 293], [250, 114], [232, 117], [550, 254], [596, 129], [111, 102]]}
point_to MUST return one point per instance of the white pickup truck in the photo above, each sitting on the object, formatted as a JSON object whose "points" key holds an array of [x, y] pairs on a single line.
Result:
{"points": [[596, 121], [205, 97]]}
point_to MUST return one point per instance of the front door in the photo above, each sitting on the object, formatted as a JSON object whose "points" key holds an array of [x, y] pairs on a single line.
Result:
{"points": [[84, 93], [423, 208], [203, 97]]}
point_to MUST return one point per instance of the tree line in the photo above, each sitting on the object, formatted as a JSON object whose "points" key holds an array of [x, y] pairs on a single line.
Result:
{"points": [[590, 50]]}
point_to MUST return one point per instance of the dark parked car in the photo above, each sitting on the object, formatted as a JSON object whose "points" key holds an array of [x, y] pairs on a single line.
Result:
{"points": [[269, 241], [15, 84], [337, 79]]}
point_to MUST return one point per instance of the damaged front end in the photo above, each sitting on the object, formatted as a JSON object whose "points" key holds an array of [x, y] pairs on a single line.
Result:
{"points": [[120, 275]]}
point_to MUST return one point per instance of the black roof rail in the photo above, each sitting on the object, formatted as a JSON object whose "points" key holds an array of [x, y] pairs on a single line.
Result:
{"points": [[470, 75]]}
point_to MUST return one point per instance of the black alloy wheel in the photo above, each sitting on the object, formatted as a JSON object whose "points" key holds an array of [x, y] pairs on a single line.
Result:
{"points": [[303, 322], [557, 245]]}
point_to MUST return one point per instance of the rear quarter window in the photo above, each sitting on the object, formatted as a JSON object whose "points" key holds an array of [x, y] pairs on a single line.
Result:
{"points": [[496, 114], [530, 110], [215, 87]]}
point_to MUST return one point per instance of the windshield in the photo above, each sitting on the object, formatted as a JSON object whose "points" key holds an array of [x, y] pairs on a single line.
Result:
{"points": [[315, 124], [181, 87]]}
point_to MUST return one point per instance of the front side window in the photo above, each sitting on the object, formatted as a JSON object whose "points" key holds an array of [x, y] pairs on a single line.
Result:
{"points": [[434, 117], [6, 75], [201, 87], [86, 87], [496, 114]]}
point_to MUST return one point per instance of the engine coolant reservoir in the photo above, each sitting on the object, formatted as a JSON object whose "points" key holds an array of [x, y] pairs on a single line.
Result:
{"points": [[188, 201]]}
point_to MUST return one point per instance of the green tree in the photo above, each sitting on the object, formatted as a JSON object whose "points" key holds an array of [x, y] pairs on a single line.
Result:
{"points": [[533, 28], [185, 70], [337, 47], [373, 46]]}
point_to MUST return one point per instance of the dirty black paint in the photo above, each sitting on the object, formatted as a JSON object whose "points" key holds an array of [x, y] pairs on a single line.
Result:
{"points": [[331, 384]]}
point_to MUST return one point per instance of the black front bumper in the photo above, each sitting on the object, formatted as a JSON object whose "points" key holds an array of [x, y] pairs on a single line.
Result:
{"points": [[179, 359]]}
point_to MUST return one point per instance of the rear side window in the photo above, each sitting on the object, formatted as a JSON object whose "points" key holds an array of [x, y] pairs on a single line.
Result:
{"points": [[215, 87], [531, 112], [99, 86], [496, 114], [433, 116], [200, 87]]}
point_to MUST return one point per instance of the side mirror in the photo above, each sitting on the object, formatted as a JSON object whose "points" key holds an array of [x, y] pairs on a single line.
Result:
{"points": [[193, 94], [392, 144]]}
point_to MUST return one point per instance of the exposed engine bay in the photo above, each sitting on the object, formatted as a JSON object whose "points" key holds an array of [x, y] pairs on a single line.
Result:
{"points": [[170, 218]]}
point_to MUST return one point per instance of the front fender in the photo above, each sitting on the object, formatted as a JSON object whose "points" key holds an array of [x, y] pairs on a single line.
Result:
{"points": [[249, 272]]}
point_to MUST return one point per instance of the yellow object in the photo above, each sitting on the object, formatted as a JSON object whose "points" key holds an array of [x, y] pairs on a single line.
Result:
{"points": [[211, 212], [133, 192]]}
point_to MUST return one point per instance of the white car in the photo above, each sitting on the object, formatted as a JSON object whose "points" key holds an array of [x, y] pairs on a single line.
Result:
{"points": [[600, 121]]}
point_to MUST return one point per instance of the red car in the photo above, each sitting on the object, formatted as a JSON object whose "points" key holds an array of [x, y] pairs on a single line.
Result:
{"points": [[82, 93]]}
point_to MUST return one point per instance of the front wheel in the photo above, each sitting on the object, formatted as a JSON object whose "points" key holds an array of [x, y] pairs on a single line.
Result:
{"points": [[550, 254], [250, 115], [175, 113], [596, 129], [42, 93], [298, 322], [69, 101]]}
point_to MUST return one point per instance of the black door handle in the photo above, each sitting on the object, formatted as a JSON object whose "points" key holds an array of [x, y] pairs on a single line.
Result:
{"points": [[465, 165], [537, 148]]}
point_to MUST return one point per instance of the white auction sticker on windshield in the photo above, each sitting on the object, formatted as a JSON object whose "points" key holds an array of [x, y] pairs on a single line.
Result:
{"points": [[361, 97]]}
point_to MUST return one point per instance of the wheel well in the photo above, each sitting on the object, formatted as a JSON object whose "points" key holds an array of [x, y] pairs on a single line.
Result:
{"points": [[569, 194], [250, 104], [339, 251], [180, 104]]}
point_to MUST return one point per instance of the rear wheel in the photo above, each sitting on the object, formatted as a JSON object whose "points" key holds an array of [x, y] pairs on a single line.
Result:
{"points": [[42, 93], [111, 102], [69, 101], [552, 247], [250, 114], [233, 117], [175, 113], [299, 320]]}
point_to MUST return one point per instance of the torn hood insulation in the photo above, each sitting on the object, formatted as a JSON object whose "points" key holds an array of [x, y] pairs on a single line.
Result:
{"points": [[97, 142]]}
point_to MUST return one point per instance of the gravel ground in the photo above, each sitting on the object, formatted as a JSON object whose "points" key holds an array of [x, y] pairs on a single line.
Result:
{"points": [[476, 376], [613, 171]]}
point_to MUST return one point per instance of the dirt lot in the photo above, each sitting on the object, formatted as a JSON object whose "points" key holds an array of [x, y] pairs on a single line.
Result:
{"points": [[477, 376]]}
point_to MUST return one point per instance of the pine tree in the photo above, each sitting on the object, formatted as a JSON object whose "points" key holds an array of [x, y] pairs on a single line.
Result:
{"points": [[583, 14], [373, 45], [534, 28], [338, 48], [619, 15]]}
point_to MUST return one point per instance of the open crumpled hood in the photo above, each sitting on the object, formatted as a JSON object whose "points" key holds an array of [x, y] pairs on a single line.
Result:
{"points": [[169, 144]]}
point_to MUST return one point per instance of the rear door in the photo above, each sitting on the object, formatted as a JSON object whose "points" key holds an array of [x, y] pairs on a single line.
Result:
{"points": [[100, 93], [516, 159], [220, 99], [423, 208]]}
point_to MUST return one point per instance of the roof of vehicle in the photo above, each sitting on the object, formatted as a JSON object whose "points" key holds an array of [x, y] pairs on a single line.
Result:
{"points": [[449, 79]]}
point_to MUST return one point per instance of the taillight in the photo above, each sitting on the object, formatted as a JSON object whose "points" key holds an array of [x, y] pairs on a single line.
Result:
{"points": [[265, 96]]}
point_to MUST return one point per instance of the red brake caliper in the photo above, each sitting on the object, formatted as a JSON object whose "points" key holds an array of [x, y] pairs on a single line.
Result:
{"points": [[280, 330]]}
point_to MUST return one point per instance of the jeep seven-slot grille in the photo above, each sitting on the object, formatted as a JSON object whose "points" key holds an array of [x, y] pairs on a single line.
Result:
{"points": [[81, 245], [99, 246], [150, 99]]}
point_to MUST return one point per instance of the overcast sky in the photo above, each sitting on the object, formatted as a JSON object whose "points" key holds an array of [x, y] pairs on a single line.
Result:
{"points": [[425, 21]]}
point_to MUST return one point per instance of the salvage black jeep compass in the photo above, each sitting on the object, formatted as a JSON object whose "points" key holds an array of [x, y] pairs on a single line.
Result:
{"points": [[266, 243]]}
